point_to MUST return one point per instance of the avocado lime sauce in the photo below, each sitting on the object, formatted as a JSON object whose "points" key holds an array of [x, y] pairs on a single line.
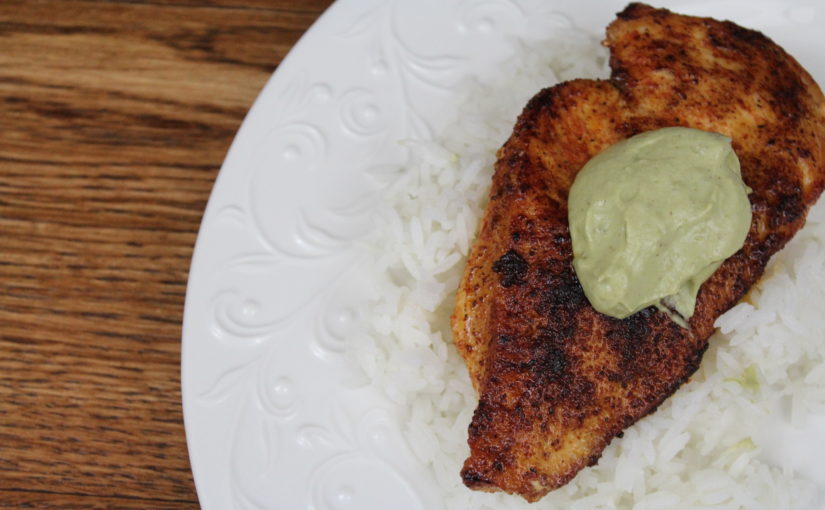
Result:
{"points": [[653, 216]]}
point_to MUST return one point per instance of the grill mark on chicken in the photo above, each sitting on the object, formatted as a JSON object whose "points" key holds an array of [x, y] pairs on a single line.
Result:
{"points": [[556, 379]]}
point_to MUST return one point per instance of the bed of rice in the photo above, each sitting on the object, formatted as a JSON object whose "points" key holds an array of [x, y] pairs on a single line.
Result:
{"points": [[703, 449]]}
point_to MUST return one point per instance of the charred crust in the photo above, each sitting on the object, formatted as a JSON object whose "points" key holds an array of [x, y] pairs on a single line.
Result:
{"points": [[790, 209], [482, 420], [551, 361], [634, 10], [540, 104], [512, 268], [747, 36], [561, 293], [475, 480], [728, 36], [787, 98]]}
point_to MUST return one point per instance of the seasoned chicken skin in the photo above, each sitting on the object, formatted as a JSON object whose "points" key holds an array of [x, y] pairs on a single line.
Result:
{"points": [[556, 379]]}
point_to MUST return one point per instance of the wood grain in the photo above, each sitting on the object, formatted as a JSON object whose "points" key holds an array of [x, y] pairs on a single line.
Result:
{"points": [[116, 116]]}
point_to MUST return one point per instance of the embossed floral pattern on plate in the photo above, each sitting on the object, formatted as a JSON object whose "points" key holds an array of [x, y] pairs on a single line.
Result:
{"points": [[275, 417]]}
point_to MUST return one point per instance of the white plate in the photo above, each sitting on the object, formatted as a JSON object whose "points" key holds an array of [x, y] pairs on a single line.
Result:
{"points": [[274, 417]]}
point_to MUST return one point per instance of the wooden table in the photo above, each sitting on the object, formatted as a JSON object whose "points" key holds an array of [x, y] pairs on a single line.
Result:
{"points": [[115, 117]]}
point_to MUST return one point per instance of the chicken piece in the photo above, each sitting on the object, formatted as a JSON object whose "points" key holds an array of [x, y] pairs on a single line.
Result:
{"points": [[556, 379]]}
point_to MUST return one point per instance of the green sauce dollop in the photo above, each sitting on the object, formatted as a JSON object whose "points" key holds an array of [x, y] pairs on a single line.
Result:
{"points": [[653, 216]]}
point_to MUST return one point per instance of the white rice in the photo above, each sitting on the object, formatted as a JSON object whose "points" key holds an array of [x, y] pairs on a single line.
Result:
{"points": [[703, 448]]}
